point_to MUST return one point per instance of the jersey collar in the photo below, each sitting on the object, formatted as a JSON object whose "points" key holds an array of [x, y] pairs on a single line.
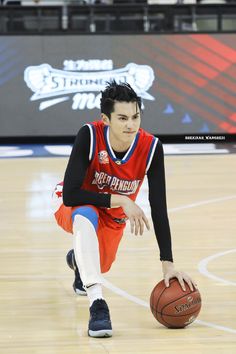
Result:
{"points": [[111, 152]]}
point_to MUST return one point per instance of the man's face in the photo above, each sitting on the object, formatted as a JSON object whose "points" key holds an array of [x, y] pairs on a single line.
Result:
{"points": [[125, 122]]}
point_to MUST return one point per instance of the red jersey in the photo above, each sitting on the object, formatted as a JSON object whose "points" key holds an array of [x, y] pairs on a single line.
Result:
{"points": [[108, 174]]}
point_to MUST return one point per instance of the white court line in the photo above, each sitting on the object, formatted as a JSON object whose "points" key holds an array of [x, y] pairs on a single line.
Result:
{"points": [[138, 301], [202, 267], [124, 294], [204, 202]]}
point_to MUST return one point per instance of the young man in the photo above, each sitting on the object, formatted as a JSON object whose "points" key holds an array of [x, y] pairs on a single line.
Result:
{"points": [[105, 171]]}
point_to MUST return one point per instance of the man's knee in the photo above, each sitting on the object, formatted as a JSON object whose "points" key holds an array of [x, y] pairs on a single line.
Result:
{"points": [[88, 212]]}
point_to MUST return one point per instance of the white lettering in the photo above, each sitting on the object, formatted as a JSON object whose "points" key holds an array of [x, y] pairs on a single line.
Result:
{"points": [[89, 100], [102, 179], [46, 81], [92, 64], [113, 182], [108, 179]]}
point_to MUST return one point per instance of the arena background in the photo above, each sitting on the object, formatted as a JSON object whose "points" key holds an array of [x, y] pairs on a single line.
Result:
{"points": [[192, 89]]}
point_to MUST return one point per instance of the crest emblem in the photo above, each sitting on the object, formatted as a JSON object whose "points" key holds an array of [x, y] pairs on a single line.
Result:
{"points": [[103, 157]]}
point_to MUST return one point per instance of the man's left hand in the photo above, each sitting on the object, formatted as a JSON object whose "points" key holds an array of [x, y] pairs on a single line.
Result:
{"points": [[169, 272]]}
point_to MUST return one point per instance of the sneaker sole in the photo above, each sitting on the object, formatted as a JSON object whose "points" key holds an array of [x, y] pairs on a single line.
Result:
{"points": [[80, 292], [103, 333]]}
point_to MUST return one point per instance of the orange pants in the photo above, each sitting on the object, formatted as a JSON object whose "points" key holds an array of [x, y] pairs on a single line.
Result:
{"points": [[109, 232]]}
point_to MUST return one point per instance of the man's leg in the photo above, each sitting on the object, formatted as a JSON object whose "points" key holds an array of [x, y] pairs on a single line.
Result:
{"points": [[86, 250], [107, 236]]}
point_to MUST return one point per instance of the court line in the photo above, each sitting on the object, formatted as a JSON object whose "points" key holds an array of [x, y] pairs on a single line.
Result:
{"points": [[202, 267], [138, 301], [192, 205], [204, 202]]}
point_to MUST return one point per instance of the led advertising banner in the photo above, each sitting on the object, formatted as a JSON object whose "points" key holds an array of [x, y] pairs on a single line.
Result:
{"points": [[50, 85]]}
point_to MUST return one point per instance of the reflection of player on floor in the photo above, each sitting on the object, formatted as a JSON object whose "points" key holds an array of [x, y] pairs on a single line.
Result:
{"points": [[105, 171]]}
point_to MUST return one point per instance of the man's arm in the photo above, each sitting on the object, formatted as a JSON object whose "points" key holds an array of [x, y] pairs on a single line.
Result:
{"points": [[75, 173], [157, 199]]}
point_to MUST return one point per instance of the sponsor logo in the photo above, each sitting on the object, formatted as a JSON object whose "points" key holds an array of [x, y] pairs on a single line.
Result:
{"points": [[190, 302], [103, 157], [54, 86], [121, 186]]}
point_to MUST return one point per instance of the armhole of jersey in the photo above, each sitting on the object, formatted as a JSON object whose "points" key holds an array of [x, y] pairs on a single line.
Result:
{"points": [[92, 141], [151, 152]]}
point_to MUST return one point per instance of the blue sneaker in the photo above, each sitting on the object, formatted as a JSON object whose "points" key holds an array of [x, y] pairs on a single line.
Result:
{"points": [[77, 285], [99, 322]]}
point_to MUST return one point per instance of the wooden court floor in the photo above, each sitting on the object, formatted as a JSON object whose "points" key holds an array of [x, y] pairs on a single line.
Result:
{"points": [[40, 314]]}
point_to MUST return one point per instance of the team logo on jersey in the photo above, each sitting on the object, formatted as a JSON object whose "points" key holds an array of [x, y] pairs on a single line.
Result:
{"points": [[103, 157], [121, 186]]}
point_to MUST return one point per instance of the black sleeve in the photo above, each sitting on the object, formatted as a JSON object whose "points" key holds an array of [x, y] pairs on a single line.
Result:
{"points": [[157, 199], [75, 173]]}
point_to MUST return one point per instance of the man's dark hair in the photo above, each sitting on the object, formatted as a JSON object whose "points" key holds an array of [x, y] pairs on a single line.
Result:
{"points": [[114, 92]]}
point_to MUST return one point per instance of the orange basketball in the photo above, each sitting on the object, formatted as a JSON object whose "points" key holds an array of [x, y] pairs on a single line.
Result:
{"points": [[173, 307]]}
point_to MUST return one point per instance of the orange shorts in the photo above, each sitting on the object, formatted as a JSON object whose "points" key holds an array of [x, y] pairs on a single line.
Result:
{"points": [[109, 232]]}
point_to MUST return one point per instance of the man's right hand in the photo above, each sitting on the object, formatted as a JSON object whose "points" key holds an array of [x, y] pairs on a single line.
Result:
{"points": [[133, 212]]}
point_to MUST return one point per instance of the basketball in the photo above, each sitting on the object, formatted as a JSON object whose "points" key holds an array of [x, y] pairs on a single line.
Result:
{"points": [[173, 307]]}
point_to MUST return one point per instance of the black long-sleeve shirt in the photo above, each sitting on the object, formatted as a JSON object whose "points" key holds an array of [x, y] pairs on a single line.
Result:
{"points": [[73, 194]]}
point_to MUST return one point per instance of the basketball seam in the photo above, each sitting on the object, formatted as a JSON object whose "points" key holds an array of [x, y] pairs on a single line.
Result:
{"points": [[158, 301], [187, 314], [161, 295], [179, 299], [167, 324], [170, 325]]}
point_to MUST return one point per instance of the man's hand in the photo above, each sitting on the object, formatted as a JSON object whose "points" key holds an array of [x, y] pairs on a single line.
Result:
{"points": [[133, 212], [169, 272]]}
